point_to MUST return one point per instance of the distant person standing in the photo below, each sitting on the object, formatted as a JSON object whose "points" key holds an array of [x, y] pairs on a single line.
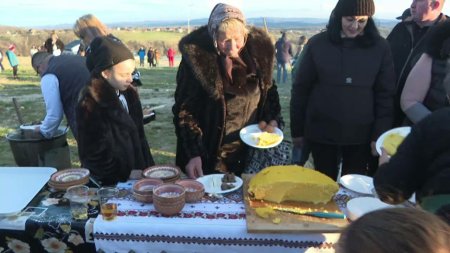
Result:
{"points": [[157, 55], [171, 56], [13, 61], [33, 50], [407, 42], [141, 54], [283, 49], [54, 45], [151, 57], [1, 59]]}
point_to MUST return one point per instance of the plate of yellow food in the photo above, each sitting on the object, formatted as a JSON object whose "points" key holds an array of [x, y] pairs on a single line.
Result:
{"points": [[253, 136], [391, 140]]}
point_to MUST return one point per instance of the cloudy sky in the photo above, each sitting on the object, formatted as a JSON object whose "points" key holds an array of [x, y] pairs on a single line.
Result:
{"points": [[31, 13]]}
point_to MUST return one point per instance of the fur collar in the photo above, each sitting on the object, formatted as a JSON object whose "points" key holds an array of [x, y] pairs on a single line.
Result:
{"points": [[200, 55]]}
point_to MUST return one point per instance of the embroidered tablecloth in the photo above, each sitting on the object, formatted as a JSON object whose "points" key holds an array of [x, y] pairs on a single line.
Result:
{"points": [[213, 225]]}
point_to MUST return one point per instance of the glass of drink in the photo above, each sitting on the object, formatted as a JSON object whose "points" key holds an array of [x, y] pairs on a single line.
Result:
{"points": [[108, 207], [78, 196]]}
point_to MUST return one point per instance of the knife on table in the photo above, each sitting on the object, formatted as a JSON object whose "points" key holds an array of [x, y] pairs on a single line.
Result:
{"points": [[318, 214]]}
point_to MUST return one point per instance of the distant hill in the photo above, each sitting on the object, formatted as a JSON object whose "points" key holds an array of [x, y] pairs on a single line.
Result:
{"points": [[272, 23]]}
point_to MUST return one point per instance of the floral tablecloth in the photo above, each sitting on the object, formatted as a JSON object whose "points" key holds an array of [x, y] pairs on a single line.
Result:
{"points": [[213, 225], [46, 225]]}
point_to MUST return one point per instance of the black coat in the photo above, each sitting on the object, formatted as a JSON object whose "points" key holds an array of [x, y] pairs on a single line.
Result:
{"points": [[406, 51], [111, 142], [199, 109], [421, 164], [343, 93]]}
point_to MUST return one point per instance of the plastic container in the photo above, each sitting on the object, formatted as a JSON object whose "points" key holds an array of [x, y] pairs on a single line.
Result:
{"points": [[30, 150]]}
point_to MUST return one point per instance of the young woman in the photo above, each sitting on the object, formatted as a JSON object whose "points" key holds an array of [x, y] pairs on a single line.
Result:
{"points": [[111, 138], [342, 96]]}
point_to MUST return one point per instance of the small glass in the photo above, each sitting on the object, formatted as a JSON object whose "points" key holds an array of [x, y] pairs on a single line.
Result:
{"points": [[108, 208], [78, 196]]}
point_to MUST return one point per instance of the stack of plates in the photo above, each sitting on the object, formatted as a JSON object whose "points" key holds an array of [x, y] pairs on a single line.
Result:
{"points": [[167, 173], [64, 179]]}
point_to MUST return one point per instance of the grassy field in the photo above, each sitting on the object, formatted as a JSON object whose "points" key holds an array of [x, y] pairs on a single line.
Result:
{"points": [[157, 90]]}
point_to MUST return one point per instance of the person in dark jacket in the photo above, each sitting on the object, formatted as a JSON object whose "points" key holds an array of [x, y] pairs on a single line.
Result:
{"points": [[111, 138], [283, 50], [54, 45], [224, 83], [421, 165], [342, 96], [426, 87], [62, 79], [407, 42]]}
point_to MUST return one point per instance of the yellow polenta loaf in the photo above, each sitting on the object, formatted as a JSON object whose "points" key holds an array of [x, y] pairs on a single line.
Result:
{"points": [[292, 182], [391, 143], [266, 139]]}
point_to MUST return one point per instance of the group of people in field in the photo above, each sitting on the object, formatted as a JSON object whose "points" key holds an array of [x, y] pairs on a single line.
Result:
{"points": [[350, 86]]}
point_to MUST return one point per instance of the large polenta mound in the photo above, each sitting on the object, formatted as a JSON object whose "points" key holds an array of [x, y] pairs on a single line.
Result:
{"points": [[294, 183]]}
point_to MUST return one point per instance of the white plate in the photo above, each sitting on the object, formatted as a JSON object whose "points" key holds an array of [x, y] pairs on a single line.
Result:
{"points": [[357, 207], [403, 131], [250, 133], [19, 185], [213, 182], [357, 183]]}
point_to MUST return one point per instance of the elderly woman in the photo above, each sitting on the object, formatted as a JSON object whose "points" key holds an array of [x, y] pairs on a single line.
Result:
{"points": [[224, 83], [342, 96], [111, 138]]}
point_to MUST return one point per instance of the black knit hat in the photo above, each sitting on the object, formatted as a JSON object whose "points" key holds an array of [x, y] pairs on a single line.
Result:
{"points": [[106, 51], [354, 8]]}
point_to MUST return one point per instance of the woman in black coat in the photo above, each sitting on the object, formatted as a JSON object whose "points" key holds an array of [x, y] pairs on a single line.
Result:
{"points": [[342, 96], [112, 141]]}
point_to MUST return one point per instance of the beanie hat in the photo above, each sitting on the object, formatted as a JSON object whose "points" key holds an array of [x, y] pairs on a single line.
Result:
{"points": [[220, 13], [354, 8], [106, 51]]}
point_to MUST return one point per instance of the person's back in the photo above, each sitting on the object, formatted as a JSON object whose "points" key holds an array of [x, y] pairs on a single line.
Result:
{"points": [[401, 230], [283, 50], [72, 76]]}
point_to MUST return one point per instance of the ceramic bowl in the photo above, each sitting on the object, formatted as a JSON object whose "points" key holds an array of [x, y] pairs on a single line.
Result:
{"points": [[169, 199], [145, 186], [194, 190], [167, 173], [145, 198]]}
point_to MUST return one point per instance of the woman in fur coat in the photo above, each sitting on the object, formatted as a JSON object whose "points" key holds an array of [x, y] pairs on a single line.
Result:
{"points": [[112, 141], [224, 83]]}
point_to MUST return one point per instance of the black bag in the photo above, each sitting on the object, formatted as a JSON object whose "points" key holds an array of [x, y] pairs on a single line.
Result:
{"points": [[259, 159]]}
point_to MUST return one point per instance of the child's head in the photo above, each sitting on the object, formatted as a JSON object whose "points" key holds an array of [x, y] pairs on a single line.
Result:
{"points": [[396, 230]]}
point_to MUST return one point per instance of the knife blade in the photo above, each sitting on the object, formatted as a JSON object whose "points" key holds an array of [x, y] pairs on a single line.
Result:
{"points": [[327, 215]]}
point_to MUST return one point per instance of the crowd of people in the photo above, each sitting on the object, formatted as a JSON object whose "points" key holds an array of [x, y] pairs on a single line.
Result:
{"points": [[350, 85]]}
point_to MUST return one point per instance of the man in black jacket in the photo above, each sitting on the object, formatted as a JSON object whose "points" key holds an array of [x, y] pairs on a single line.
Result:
{"points": [[407, 43]]}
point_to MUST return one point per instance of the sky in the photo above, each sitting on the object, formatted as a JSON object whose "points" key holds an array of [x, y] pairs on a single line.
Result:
{"points": [[35, 13]]}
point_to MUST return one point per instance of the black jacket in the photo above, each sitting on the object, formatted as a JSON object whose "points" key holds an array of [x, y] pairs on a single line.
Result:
{"points": [[343, 93], [199, 109], [111, 142], [406, 51], [421, 164]]}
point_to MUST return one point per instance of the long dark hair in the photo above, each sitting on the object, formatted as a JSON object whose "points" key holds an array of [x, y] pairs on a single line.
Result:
{"points": [[334, 28]]}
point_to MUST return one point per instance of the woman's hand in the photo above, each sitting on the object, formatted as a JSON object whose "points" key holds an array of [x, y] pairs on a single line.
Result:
{"points": [[384, 158], [194, 168], [270, 128], [373, 148]]}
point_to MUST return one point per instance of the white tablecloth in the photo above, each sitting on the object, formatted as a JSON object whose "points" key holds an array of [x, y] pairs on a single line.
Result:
{"points": [[210, 226]]}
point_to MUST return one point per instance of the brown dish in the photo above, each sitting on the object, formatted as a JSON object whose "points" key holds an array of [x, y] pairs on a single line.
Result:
{"points": [[169, 199], [194, 189], [167, 173]]}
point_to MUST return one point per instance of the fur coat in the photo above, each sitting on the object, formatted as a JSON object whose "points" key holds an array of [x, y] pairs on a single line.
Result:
{"points": [[200, 106], [111, 141]]}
